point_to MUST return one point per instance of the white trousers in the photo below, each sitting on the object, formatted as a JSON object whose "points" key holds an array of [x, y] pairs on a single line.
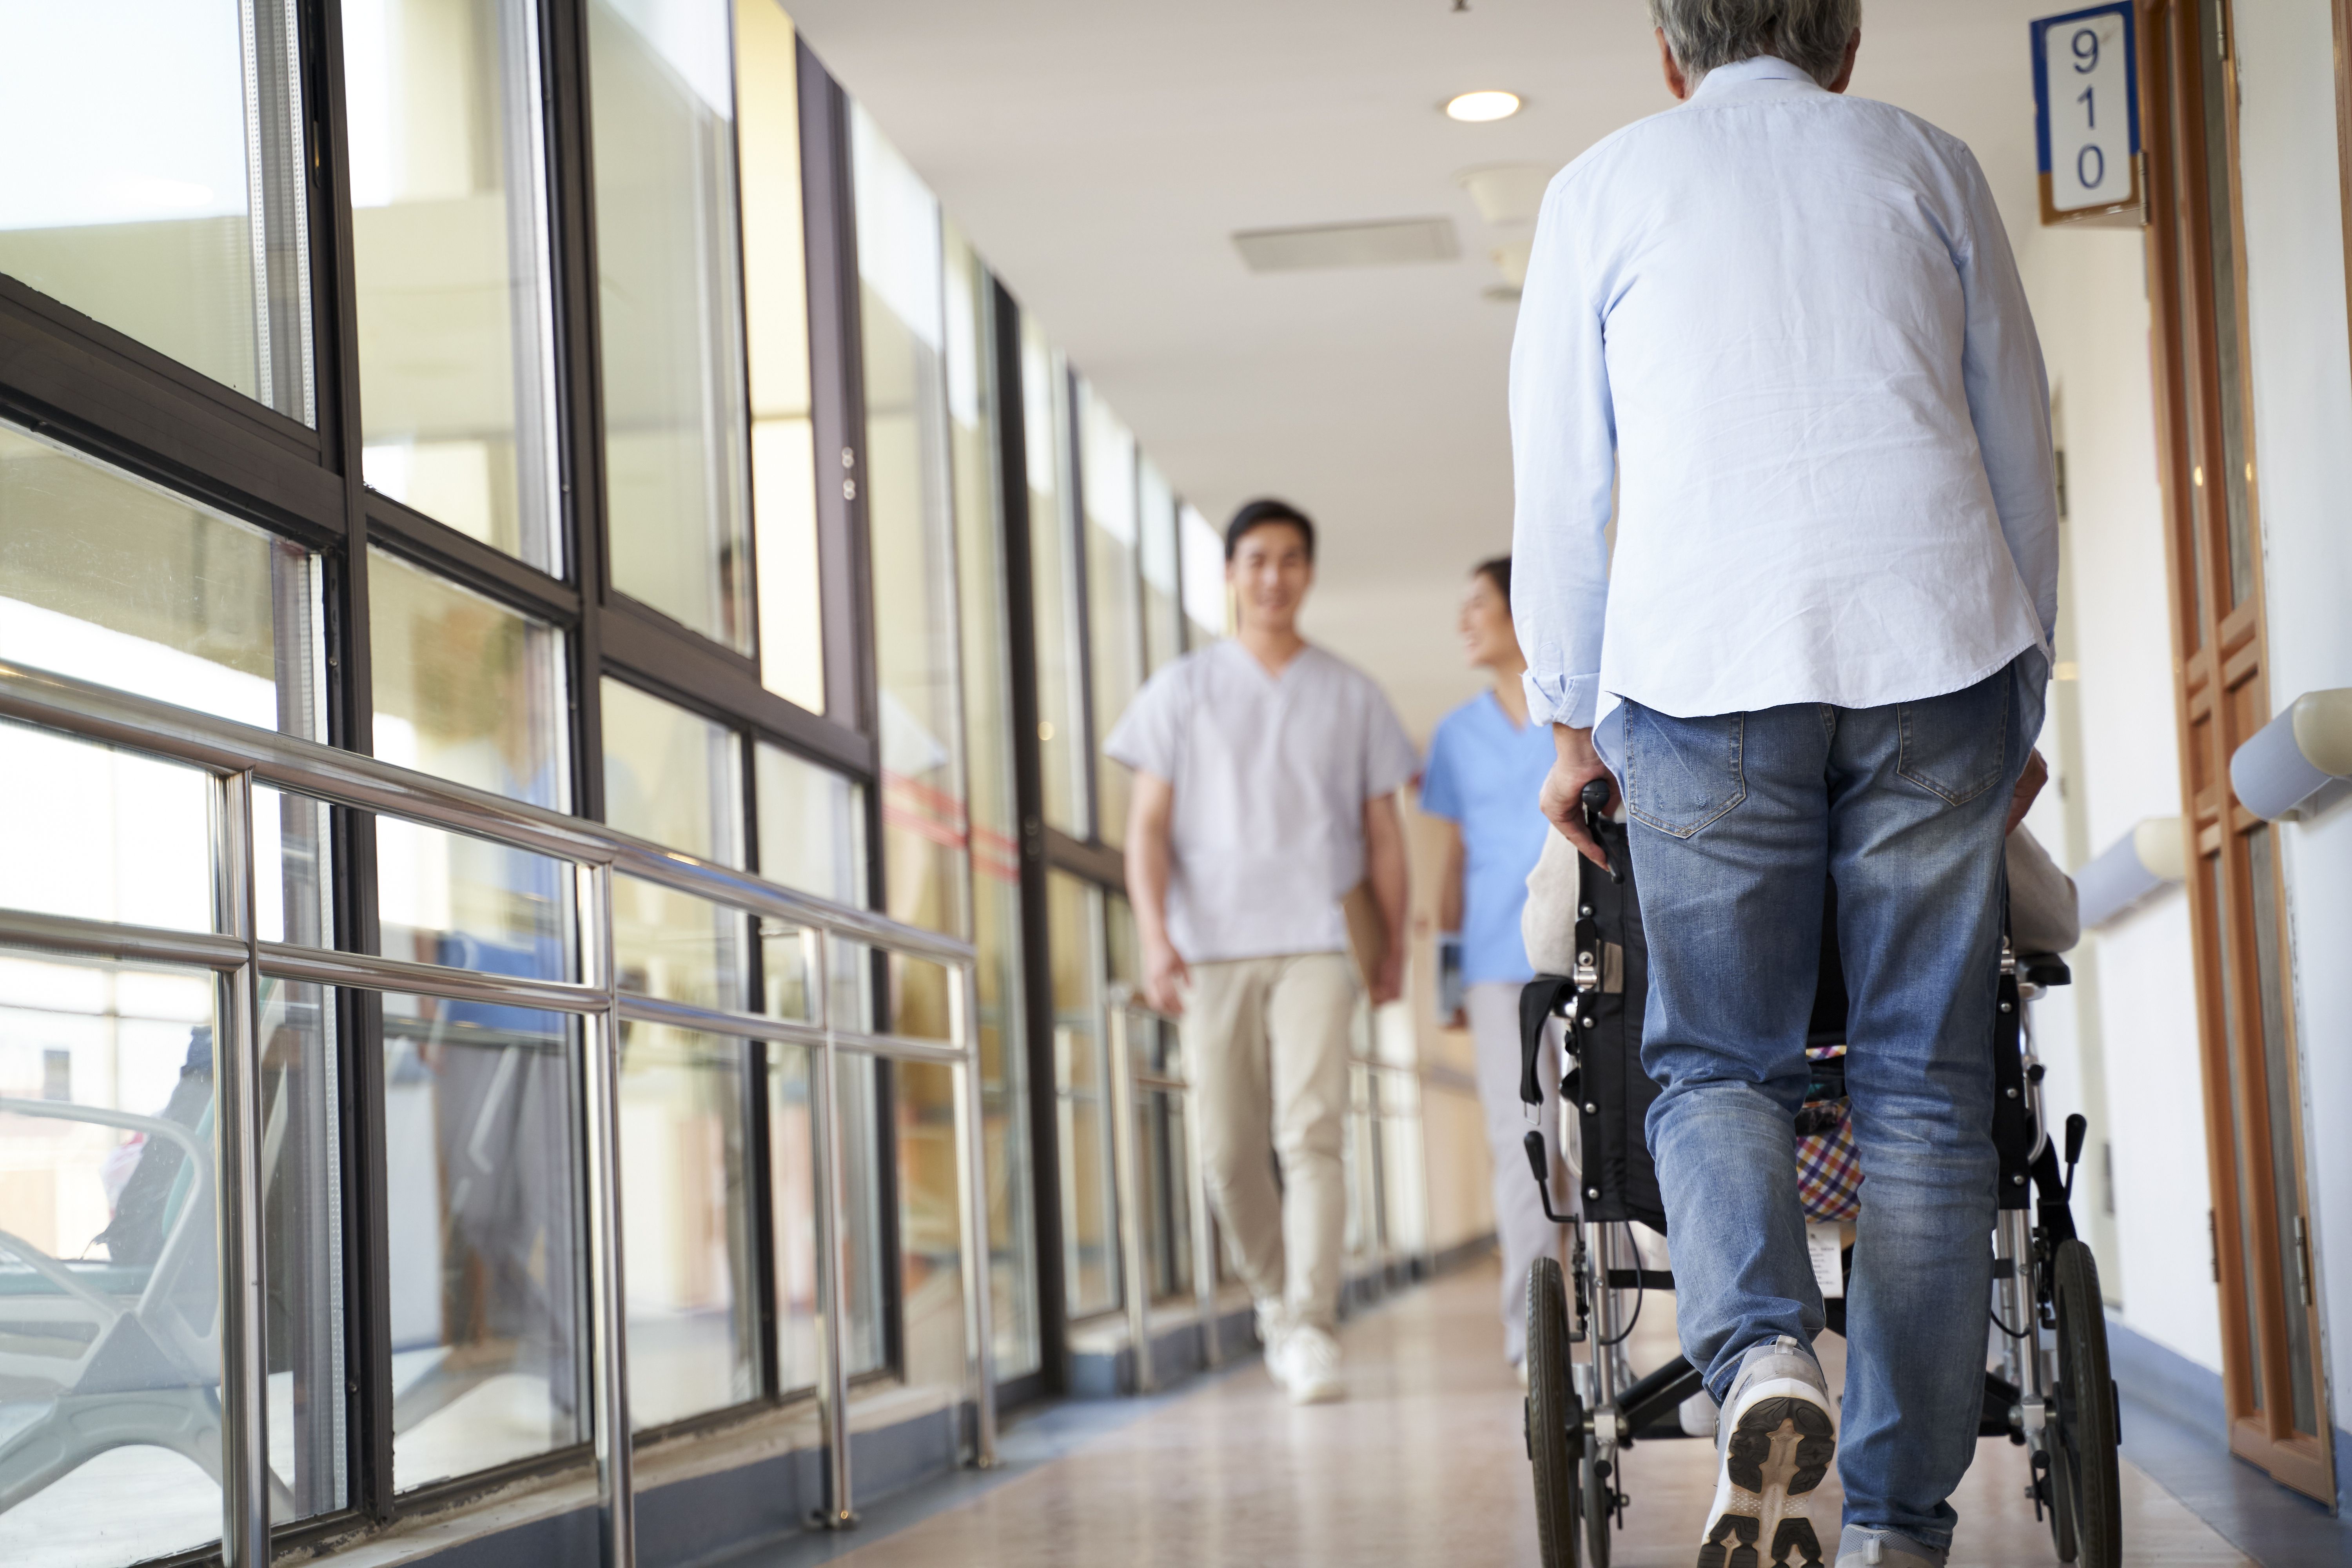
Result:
{"points": [[1520, 1222]]}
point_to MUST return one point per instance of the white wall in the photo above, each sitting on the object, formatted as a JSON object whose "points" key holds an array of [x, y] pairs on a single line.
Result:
{"points": [[2303, 453], [2123, 1047]]}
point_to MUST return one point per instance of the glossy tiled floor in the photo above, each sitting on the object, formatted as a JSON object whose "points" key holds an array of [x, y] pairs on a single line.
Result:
{"points": [[1421, 1465]]}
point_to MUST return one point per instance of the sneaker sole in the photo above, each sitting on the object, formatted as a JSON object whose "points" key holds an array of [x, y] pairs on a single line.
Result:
{"points": [[1779, 1449]]}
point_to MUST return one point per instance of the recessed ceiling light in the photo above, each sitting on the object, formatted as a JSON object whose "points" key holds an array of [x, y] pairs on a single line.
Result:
{"points": [[1480, 106]]}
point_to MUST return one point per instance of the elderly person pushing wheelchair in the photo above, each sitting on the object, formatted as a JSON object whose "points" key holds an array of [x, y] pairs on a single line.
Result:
{"points": [[1786, 325]]}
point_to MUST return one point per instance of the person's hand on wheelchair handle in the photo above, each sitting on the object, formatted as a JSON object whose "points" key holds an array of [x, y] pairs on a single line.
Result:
{"points": [[1576, 765]]}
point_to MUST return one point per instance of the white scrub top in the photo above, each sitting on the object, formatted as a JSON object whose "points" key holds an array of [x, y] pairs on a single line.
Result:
{"points": [[1270, 776]]}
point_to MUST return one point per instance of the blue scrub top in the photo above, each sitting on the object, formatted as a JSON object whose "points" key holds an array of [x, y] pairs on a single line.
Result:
{"points": [[1484, 774]]}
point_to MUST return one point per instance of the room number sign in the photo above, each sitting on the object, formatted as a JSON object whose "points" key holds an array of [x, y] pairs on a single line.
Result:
{"points": [[2086, 115]]}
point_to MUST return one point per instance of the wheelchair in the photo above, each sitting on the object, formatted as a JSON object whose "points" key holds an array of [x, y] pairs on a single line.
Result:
{"points": [[2051, 1393]]}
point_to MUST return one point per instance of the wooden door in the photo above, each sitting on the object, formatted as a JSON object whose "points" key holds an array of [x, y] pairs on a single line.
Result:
{"points": [[2271, 1371]]}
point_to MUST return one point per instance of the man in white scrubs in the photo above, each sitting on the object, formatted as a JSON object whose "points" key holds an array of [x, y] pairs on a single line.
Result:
{"points": [[1266, 773]]}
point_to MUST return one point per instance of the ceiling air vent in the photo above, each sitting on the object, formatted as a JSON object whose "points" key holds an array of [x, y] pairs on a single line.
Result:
{"points": [[1390, 244]]}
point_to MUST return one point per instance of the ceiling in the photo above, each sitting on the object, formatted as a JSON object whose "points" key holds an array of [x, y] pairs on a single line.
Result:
{"points": [[1101, 156]]}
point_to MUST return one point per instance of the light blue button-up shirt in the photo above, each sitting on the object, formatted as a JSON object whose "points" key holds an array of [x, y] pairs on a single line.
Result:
{"points": [[1787, 326]]}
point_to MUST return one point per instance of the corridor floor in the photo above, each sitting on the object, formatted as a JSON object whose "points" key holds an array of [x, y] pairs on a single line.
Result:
{"points": [[1422, 1464]]}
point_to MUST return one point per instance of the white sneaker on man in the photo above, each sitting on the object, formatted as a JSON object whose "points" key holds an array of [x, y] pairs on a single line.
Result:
{"points": [[1305, 1362], [1773, 1445]]}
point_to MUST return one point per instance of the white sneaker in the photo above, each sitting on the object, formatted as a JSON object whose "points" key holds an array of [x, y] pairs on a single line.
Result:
{"points": [[1773, 1445], [1306, 1363]]}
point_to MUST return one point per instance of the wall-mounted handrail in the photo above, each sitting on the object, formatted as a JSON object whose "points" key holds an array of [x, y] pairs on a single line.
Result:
{"points": [[240, 756]]}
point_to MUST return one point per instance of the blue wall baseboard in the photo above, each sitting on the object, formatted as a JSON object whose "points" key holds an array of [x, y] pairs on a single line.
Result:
{"points": [[2174, 1429]]}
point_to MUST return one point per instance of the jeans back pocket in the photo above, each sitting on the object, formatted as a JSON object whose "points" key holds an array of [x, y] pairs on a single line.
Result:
{"points": [[1956, 746], [1682, 774]]}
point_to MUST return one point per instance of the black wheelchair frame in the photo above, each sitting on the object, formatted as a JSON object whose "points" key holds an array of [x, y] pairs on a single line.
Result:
{"points": [[2052, 1394]]}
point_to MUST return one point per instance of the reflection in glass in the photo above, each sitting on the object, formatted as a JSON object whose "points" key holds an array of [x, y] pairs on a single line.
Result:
{"points": [[1053, 584], [693, 1326], [670, 301], [465, 689], [1114, 607], [445, 898], [166, 199], [106, 1212], [450, 255], [677, 947], [111, 579], [972, 435], [1201, 554], [672, 776], [860, 1088], [792, 1201], [301, 1249], [1074, 916], [811, 826], [483, 1198], [931, 1245], [775, 323], [910, 530]]}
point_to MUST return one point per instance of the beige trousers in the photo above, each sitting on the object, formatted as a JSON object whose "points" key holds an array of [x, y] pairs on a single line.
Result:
{"points": [[1266, 1043]]}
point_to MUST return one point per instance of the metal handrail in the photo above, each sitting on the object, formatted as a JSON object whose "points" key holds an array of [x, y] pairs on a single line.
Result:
{"points": [[240, 756], [1126, 1078]]}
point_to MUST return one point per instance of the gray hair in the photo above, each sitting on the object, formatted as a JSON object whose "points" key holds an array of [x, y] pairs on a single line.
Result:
{"points": [[1810, 35]]}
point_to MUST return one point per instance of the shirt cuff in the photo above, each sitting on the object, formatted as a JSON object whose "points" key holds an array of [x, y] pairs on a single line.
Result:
{"points": [[1561, 699]]}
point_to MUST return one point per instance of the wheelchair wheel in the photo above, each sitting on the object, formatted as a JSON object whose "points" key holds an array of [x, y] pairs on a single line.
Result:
{"points": [[1600, 1508], [1555, 1419], [2061, 1504], [2083, 1458]]}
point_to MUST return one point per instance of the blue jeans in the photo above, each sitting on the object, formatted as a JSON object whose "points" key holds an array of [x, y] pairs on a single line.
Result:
{"points": [[1741, 820]]}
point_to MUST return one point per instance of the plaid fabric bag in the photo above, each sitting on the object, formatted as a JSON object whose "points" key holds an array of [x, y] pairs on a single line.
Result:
{"points": [[1829, 1172]]}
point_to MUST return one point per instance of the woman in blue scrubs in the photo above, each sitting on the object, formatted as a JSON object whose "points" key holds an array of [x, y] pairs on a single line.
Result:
{"points": [[1487, 766]]}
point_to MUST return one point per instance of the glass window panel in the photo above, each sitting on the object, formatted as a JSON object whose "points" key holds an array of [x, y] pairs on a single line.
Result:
{"points": [[860, 1090], [446, 898], [294, 873], [1114, 593], [693, 1329], [909, 526], [1163, 633], [484, 1215], [125, 835], [972, 435], [670, 301], [930, 1244], [111, 579], [450, 255], [677, 947], [1053, 584], [2217, 886], [301, 1107], [2286, 1169], [791, 1189], [671, 776], [167, 198], [1201, 552], [775, 313], [467, 689], [108, 1184], [1074, 915], [811, 826], [2227, 373]]}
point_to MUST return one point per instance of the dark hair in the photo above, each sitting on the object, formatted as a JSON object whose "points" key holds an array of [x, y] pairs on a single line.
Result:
{"points": [[1498, 572], [1258, 514]]}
